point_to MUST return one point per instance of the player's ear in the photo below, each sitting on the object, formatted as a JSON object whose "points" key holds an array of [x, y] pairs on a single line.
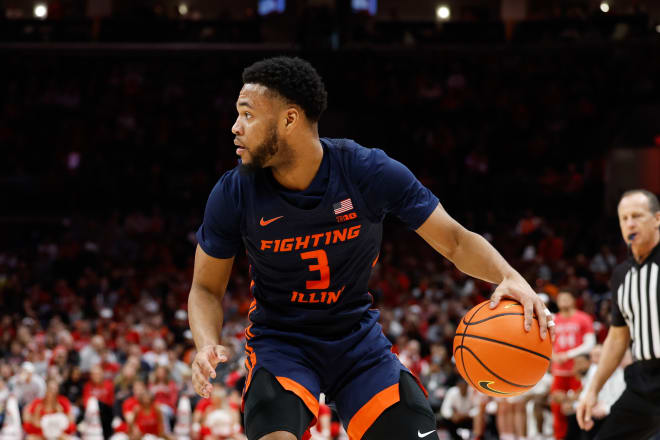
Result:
{"points": [[291, 118]]}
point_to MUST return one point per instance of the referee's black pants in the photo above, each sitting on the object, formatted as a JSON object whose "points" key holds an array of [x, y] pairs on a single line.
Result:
{"points": [[632, 417]]}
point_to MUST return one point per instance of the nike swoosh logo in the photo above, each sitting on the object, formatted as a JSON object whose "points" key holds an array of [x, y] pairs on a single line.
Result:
{"points": [[486, 384], [420, 435], [263, 222]]}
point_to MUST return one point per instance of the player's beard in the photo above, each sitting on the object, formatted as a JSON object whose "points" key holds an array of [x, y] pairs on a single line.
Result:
{"points": [[261, 154]]}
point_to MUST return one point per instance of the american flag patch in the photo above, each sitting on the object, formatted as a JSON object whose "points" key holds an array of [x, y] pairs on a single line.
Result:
{"points": [[343, 206]]}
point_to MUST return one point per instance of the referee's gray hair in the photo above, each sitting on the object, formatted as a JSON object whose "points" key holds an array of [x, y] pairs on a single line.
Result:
{"points": [[654, 205]]}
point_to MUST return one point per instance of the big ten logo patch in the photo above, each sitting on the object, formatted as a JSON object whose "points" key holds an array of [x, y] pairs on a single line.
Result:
{"points": [[346, 217]]}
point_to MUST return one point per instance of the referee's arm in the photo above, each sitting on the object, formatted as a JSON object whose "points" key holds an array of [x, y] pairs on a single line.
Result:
{"points": [[615, 346]]}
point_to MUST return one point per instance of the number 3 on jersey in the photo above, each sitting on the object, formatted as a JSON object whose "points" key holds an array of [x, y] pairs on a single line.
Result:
{"points": [[322, 266]]}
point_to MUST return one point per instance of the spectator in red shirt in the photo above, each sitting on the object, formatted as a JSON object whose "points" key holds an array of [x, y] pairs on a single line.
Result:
{"points": [[49, 416], [104, 391], [129, 405], [146, 418], [165, 392], [215, 417], [99, 387], [321, 430], [410, 357], [124, 384]]}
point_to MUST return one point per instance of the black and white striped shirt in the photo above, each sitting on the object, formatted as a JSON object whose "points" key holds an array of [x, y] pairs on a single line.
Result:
{"points": [[636, 303]]}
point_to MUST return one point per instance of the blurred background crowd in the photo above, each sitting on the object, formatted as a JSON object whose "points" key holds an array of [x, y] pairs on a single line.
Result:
{"points": [[110, 152]]}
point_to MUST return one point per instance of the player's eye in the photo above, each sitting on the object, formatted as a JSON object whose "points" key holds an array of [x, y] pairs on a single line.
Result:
{"points": [[248, 115]]}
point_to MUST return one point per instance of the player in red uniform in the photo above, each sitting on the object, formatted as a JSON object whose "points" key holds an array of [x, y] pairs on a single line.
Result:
{"points": [[574, 336]]}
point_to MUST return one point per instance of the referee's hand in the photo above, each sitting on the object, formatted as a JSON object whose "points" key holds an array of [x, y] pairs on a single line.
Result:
{"points": [[583, 413], [203, 367]]}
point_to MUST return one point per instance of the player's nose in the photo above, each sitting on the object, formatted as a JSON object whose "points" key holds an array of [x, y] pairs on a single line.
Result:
{"points": [[236, 128]]}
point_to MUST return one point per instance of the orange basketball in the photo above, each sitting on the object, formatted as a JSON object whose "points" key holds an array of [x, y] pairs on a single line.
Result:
{"points": [[495, 354]]}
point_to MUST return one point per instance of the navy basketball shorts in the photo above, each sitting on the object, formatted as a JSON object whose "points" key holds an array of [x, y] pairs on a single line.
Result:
{"points": [[358, 372]]}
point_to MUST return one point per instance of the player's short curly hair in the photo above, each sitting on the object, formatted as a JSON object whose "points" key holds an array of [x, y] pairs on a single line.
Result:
{"points": [[292, 78]]}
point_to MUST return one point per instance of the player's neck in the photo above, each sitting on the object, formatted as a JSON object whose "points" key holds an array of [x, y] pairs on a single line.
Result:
{"points": [[297, 174]]}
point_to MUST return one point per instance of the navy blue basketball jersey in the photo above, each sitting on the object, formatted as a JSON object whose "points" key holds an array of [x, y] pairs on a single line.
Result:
{"points": [[310, 266]]}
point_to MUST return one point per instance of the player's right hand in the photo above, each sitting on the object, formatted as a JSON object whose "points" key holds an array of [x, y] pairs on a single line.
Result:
{"points": [[203, 367], [584, 409]]}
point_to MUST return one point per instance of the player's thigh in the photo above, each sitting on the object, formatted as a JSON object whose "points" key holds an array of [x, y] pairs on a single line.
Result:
{"points": [[270, 408], [409, 419], [632, 418]]}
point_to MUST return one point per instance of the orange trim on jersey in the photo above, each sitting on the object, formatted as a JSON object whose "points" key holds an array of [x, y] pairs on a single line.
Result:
{"points": [[308, 399], [248, 333], [375, 261], [367, 415], [250, 363]]}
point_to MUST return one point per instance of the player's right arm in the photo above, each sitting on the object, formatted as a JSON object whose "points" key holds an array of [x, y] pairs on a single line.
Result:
{"points": [[210, 278], [614, 347]]}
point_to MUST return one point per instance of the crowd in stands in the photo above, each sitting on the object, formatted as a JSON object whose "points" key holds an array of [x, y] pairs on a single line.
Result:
{"points": [[109, 160]]}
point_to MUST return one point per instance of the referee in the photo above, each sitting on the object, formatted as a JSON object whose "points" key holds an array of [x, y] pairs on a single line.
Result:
{"points": [[635, 316]]}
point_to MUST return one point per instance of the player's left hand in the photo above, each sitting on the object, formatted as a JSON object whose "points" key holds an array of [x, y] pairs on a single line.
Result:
{"points": [[515, 287]]}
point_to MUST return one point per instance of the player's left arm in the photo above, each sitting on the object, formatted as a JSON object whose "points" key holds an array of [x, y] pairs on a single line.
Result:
{"points": [[473, 255]]}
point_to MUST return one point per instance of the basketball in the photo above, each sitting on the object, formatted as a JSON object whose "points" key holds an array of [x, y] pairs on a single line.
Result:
{"points": [[495, 354]]}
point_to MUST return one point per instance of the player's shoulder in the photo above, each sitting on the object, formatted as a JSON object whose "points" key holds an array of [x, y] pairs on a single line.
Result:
{"points": [[349, 150], [231, 183], [232, 177], [359, 161]]}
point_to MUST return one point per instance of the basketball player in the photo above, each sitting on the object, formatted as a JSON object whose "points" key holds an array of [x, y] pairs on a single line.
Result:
{"points": [[635, 316], [575, 337], [309, 212]]}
